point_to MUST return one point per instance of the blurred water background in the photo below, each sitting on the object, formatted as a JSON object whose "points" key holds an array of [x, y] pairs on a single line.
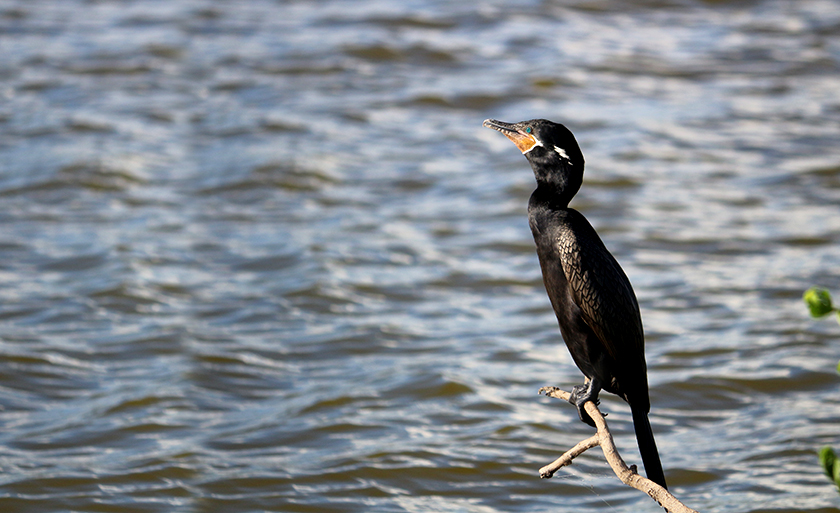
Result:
{"points": [[262, 256]]}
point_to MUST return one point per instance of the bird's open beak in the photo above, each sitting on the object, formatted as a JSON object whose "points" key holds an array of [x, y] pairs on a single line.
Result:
{"points": [[525, 142]]}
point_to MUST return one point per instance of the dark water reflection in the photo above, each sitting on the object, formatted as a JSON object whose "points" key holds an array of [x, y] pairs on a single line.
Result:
{"points": [[263, 256]]}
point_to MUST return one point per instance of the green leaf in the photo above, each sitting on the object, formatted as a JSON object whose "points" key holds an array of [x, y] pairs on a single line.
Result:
{"points": [[837, 473], [827, 460], [818, 300]]}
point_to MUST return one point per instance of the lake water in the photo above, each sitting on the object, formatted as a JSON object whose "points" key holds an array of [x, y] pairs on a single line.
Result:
{"points": [[262, 256]]}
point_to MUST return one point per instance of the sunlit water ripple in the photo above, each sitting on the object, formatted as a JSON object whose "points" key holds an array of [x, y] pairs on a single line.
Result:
{"points": [[263, 257]]}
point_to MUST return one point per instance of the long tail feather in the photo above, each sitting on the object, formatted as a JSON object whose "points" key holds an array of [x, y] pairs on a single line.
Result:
{"points": [[647, 447]]}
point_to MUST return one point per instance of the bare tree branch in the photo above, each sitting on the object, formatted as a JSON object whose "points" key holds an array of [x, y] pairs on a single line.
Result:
{"points": [[604, 438]]}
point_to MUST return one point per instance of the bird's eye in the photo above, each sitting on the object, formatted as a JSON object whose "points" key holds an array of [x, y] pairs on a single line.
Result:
{"points": [[528, 130]]}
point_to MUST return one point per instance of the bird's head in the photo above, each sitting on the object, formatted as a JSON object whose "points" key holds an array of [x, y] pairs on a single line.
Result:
{"points": [[541, 141], [551, 149]]}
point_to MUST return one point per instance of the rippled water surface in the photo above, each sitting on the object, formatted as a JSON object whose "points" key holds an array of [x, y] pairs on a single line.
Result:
{"points": [[262, 256]]}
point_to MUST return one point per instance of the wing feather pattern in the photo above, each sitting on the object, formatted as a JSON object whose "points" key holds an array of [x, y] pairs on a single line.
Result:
{"points": [[601, 290]]}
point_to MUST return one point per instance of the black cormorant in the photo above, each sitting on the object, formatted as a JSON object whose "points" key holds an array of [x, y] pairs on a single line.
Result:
{"points": [[592, 297]]}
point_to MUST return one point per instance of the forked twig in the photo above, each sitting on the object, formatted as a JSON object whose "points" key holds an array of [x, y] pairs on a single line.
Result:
{"points": [[604, 438]]}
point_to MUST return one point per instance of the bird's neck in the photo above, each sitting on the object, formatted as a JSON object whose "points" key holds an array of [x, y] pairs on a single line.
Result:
{"points": [[556, 186]]}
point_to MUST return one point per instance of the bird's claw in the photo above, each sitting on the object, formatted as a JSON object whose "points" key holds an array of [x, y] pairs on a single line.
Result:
{"points": [[580, 395]]}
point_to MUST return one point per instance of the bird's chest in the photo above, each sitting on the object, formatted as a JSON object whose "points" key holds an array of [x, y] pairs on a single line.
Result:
{"points": [[551, 238]]}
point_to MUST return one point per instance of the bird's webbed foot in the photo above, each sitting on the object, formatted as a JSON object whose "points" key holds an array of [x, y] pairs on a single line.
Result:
{"points": [[583, 393]]}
